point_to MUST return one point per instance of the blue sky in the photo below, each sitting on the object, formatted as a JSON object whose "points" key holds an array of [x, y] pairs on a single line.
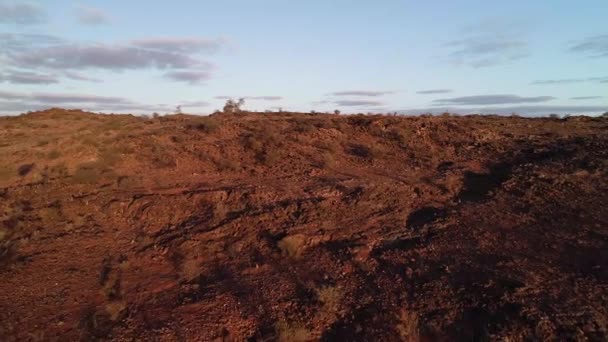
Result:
{"points": [[356, 56]]}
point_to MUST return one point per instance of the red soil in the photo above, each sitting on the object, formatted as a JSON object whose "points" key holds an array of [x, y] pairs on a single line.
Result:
{"points": [[302, 227]]}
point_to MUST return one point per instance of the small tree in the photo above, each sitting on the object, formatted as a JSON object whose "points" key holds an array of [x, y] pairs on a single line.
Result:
{"points": [[178, 109], [605, 115], [337, 112], [233, 106]]}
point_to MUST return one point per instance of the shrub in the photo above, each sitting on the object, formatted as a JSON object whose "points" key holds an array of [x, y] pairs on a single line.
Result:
{"points": [[225, 164], [24, 169], [91, 173], [54, 154], [360, 120], [360, 151], [161, 157], [204, 124], [303, 125], [233, 106]]}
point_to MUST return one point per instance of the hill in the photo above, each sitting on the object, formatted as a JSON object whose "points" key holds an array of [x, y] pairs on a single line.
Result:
{"points": [[302, 227]]}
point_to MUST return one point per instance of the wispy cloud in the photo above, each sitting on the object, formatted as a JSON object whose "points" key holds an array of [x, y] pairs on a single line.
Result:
{"points": [[195, 104], [23, 13], [487, 47], [181, 44], [370, 93], [570, 80], [80, 77], [586, 97], [20, 102], [259, 98], [26, 77], [532, 110], [357, 103], [596, 46], [92, 15], [491, 100], [434, 91], [264, 98], [192, 77], [55, 98]]}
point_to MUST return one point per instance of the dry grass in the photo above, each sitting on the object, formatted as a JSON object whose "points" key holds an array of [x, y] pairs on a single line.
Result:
{"points": [[116, 310], [54, 154], [292, 245], [91, 173], [225, 164], [408, 326], [7, 172], [292, 332], [331, 297]]}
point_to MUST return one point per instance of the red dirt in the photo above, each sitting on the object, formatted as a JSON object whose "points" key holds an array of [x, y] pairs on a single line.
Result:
{"points": [[302, 227]]}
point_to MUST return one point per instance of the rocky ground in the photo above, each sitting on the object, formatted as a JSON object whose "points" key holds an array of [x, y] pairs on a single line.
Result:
{"points": [[300, 227]]}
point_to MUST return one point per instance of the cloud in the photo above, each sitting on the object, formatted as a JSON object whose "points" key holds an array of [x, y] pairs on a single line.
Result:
{"points": [[79, 77], [192, 77], [357, 103], [7, 95], [57, 98], [434, 91], [491, 100], [537, 110], [596, 46], [195, 104], [91, 15], [370, 93], [18, 42], [21, 102], [586, 97], [26, 77], [260, 98], [49, 53], [484, 50], [181, 45], [570, 80], [54, 98], [102, 56], [264, 98], [21, 13]]}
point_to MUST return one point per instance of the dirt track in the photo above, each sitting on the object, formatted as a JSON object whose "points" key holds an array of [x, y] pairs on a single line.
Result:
{"points": [[300, 227]]}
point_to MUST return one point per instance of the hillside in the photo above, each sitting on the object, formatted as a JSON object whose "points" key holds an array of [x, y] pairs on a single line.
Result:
{"points": [[298, 227]]}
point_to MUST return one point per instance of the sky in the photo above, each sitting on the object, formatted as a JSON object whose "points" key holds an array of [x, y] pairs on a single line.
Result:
{"points": [[356, 56]]}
